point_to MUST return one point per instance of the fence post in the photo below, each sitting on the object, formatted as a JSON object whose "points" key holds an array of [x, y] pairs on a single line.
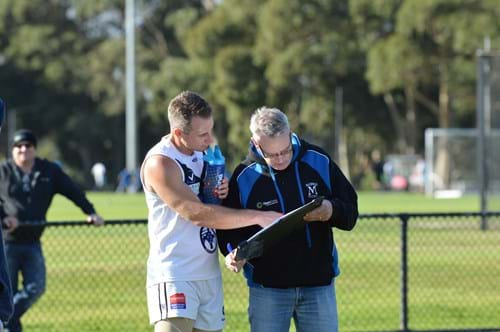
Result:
{"points": [[404, 272], [483, 97]]}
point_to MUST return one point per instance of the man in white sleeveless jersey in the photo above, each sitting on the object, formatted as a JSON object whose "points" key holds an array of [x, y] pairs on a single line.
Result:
{"points": [[184, 285]]}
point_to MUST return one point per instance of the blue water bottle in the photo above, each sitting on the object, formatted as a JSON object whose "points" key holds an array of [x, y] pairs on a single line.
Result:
{"points": [[214, 173]]}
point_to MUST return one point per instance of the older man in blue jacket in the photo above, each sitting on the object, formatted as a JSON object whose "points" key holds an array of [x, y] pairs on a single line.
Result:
{"points": [[296, 279]]}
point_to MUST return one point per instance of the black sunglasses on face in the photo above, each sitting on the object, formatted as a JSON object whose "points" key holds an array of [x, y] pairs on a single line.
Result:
{"points": [[26, 145]]}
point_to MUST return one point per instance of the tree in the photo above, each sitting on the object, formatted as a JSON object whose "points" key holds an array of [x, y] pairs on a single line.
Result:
{"points": [[423, 58]]}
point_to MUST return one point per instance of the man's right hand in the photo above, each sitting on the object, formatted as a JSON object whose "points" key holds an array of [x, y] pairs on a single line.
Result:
{"points": [[10, 223], [233, 264]]}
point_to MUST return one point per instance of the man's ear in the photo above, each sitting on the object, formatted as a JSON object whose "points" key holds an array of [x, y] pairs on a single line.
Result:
{"points": [[253, 142], [177, 132], [257, 147]]}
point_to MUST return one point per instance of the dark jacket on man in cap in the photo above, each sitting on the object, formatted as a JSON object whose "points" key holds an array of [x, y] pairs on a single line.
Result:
{"points": [[28, 196]]}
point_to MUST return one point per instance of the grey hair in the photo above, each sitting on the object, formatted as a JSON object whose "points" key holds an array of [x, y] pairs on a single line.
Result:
{"points": [[271, 122]]}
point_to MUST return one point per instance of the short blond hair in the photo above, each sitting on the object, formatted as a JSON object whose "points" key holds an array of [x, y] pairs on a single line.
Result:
{"points": [[184, 107]]}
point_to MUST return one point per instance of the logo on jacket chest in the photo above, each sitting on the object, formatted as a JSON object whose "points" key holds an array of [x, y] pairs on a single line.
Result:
{"points": [[263, 204], [312, 189]]}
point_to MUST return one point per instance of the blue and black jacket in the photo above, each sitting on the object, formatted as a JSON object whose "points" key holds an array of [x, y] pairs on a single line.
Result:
{"points": [[308, 257]]}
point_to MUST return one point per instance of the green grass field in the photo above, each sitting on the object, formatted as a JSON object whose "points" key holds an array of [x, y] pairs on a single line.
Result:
{"points": [[125, 206], [96, 276]]}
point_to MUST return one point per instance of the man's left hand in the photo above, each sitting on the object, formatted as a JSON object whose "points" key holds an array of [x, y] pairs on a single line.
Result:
{"points": [[223, 189], [321, 213]]}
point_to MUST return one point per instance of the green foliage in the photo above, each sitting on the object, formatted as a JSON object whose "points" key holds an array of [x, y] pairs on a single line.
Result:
{"points": [[240, 97], [403, 65], [232, 23], [392, 63], [104, 73]]}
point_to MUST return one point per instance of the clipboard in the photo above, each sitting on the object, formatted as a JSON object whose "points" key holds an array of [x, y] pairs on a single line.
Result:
{"points": [[261, 241]]}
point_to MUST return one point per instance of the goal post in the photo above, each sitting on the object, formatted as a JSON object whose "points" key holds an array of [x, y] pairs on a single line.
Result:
{"points": [[451, 159]]}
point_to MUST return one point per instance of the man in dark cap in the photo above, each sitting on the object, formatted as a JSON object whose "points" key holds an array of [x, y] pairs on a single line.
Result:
{"points": [[6, 307], [27, 186]]}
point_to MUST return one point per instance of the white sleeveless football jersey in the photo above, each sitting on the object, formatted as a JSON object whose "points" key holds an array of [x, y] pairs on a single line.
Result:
{"points": [[179, 250]]}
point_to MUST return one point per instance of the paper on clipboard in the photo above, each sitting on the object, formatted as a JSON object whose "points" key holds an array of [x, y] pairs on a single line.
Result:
{"points": [[258, 243]]}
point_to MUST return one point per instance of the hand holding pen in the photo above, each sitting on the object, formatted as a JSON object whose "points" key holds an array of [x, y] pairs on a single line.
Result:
{"points": [[230, 260]]}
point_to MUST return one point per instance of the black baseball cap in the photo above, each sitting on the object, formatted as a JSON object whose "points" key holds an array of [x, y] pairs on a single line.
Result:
{"points": [[23, 135]]}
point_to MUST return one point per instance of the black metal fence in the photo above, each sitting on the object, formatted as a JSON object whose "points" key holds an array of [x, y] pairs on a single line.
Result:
{"points": [[399, 272]]}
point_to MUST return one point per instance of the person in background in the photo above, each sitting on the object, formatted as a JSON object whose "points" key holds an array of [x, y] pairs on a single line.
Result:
{"points": [[295, 278], [124, 180], [99, 173], [184, 284], [6, 307], [27, 186], [377, 166]]}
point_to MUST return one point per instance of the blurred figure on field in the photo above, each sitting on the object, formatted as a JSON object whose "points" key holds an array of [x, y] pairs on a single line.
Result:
{"points": [[399, 183], [27, 186], [129, 181], [389, 173], [99, 174], [377, 166], [417, 177], [124, 179]]}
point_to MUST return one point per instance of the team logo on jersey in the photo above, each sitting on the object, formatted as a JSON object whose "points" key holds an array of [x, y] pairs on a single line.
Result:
{"points": [[178, 301], [312, 189], [190, 179], [208, 239]]}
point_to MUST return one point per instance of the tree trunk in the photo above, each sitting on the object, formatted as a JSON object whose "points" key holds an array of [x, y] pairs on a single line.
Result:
{"points": [[397, 121], [411, 119], [443, 156]]}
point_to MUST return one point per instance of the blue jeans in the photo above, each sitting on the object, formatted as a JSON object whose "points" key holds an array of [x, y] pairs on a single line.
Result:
{"points": [[312, 309], [27, 259]]}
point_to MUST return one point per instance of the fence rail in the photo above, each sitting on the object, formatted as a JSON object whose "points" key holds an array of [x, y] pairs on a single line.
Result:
{"points": [[424, 272]]}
